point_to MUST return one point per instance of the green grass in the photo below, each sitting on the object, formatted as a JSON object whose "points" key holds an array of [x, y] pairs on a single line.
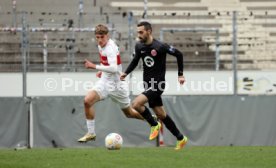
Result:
{"points": [[190, 157]]}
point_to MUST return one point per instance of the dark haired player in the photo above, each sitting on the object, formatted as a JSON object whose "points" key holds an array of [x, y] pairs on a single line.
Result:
{"points": [[153, 54]]}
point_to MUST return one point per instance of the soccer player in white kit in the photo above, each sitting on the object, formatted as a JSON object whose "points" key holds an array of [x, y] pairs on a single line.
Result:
{"points": [[109, 84]]}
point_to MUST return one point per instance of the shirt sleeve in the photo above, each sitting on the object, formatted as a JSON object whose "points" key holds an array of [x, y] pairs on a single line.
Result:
{"points": [[134, 62], [112, 61], [179, 57]]}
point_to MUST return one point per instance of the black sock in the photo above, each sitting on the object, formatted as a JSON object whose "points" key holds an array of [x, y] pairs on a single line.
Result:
{"points": [[147, 116], [169, 123]]}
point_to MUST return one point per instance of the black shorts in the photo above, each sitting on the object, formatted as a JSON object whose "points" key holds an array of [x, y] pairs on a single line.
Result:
{"points": [[154, 97]]}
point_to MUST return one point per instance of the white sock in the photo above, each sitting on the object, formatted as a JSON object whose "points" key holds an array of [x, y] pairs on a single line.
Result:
{"points": [[90, 126]]}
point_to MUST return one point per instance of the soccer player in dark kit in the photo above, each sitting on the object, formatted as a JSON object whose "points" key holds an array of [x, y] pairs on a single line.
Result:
{"points": [[153, 53]]}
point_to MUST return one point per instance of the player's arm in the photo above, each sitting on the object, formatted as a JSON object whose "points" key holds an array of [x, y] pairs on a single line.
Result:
{"points": [[111, 68], [134, 62], [179, 57], [91, 65]]}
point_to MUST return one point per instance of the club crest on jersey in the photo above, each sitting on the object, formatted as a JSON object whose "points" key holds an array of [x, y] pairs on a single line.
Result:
{"points": [[153, 52], [149, 61]]}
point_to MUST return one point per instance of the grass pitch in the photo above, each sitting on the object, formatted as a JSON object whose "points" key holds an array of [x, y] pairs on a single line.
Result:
{"points": [[163, 157]]}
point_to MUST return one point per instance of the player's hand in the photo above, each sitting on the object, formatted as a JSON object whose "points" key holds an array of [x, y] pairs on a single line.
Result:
{"points": [[99, 74], [181, 80], [89, 64], [123, 76]]}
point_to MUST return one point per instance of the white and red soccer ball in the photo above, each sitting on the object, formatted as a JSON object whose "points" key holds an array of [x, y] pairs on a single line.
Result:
{"points": [[113, 141]]}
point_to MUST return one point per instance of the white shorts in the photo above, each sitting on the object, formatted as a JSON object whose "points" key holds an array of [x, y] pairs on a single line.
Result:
{"points": [[117, 91]]}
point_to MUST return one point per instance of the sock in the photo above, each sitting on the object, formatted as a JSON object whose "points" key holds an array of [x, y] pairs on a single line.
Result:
{"points": [[147, 116], [90, 126], [169, 123]]}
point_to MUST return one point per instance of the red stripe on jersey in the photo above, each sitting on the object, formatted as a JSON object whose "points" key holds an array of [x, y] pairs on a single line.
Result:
{"points": [[104, 60], [118, 59]]}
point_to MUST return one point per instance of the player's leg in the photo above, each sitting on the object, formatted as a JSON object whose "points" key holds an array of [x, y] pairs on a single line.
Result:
{"points": [[99, 92], [121, 96], [126, 108], [170, 124], [167, 120], [132, 113], [90, 99], [139, 105]]}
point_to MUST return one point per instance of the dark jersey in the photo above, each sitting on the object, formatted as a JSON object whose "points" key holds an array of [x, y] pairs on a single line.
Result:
{"points": [[154, 60]]}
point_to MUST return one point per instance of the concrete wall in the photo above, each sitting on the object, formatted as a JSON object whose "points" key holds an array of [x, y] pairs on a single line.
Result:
{"points": [[206, 120]]}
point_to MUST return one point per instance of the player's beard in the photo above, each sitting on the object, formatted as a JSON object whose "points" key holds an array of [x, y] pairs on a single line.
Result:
{"points": [[143, 39]]}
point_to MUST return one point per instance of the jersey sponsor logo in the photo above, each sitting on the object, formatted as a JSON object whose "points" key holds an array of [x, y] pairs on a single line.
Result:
{"points": [[142, 52], [153, 52], [149, 61]]}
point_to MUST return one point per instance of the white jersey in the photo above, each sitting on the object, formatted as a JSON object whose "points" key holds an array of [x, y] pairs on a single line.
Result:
{"points": [[110, 61], [110, 84]]}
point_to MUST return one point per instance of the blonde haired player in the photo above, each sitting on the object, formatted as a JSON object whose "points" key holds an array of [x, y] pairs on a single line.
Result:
{"points": [[110, 85]]}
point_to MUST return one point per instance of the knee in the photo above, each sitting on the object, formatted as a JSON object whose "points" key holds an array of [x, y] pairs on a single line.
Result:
{"points": [[136, 105], [128, 112], [87, 102], [161, 116]]}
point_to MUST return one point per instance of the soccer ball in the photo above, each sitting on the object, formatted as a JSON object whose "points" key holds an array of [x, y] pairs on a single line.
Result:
{"points": [[113, 141]]}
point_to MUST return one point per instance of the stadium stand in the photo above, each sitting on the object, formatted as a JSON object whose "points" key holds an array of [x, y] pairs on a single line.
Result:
{"points": [[255, 27]]}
